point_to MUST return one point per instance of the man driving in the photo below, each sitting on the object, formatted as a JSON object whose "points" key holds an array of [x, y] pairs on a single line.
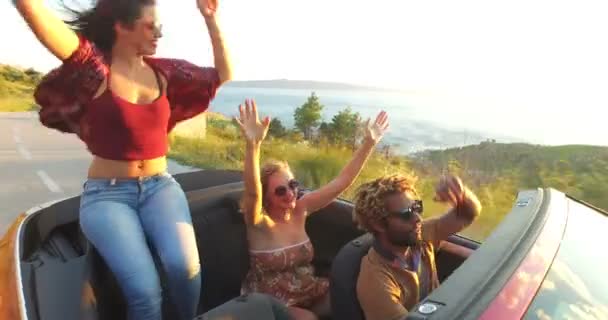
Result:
{"points": [[399, 269]]}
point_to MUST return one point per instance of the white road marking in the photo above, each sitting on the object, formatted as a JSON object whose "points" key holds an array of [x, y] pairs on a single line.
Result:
{"points": [[24, 152], [53, 187], [20, 147]]}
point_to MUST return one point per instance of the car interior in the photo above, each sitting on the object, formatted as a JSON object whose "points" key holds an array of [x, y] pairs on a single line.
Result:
{"points": [[63, 275]]}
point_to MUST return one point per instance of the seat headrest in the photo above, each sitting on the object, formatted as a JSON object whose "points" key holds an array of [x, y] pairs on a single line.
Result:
{"points": [[344, 275], [212, 197], [222, 242]]}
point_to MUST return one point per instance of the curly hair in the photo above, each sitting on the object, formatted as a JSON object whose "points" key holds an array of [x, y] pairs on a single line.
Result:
{"points": [[370, 197]]}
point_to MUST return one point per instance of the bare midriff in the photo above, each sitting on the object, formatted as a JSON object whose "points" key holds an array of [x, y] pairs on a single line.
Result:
{"points": [[105, 168]]}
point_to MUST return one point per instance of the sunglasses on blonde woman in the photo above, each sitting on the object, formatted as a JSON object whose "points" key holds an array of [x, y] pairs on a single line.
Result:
{"points": [[282, 190]]}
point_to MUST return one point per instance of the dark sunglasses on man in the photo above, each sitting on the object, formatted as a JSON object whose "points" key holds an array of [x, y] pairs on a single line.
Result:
{"points": [[293, 184], [407, 213]]}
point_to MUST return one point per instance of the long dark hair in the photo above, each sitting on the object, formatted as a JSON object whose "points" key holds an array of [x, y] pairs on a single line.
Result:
{"points": [[97, 22]]}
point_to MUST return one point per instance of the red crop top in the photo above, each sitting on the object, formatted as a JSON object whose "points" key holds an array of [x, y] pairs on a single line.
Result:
{"points": [[110, 126], [120, 130]]}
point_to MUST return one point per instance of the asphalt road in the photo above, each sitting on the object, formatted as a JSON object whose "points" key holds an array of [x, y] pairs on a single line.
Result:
{"points": [[38, 165]]}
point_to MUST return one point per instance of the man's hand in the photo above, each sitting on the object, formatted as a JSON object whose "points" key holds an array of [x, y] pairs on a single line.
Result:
{"points": [[465, 209], [450, 189]]}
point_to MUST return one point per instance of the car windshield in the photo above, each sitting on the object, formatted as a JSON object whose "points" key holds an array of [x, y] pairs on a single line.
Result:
{"points": [[576, 286]]}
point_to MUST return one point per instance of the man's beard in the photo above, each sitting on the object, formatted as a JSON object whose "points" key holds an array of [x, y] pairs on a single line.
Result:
{"points": [[401, 239]]}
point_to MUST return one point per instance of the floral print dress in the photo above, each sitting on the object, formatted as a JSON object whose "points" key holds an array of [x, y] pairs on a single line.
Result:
{"points": [[287, 274]]}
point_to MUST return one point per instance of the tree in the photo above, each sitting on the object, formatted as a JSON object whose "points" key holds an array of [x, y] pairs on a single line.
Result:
{"points": [[277, 129], [34, 76], [32, 72], [326, 131], [308, 116], [344, 127]]}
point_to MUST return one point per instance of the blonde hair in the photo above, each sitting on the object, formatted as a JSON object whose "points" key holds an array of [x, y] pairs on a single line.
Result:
{"points": [[269, 168], [370, 197]]}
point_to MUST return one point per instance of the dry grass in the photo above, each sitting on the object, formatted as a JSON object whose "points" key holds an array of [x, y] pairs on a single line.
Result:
{"points": [[316, 165]]}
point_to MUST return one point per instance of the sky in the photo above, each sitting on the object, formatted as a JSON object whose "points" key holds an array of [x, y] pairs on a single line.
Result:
{"points": [[537, 57]]}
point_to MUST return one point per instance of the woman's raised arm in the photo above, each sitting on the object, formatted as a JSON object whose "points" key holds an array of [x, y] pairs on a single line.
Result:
{"points": [[51, 31], [321, 197], [254, 133]]}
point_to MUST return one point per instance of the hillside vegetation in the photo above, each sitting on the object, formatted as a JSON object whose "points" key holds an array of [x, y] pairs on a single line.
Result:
{"points": [[496, 172], [16, 88], [579, 170]]}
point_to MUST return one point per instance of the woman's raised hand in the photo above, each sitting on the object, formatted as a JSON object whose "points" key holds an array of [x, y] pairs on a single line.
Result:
{"points": [[252, 129], [375, 130]]}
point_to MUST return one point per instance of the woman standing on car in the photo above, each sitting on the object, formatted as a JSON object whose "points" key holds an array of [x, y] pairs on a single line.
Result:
{"points": [[280, 250], [121, 102]]}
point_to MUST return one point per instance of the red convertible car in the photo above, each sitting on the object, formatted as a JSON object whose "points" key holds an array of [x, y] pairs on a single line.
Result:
{"points": [[546, 260]]}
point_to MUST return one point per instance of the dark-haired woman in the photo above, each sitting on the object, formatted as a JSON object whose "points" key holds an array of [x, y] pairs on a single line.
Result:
{"points": [[121, 102]]}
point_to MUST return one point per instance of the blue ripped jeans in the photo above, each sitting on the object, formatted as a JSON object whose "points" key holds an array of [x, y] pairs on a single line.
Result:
{"points": [[125, 220]]}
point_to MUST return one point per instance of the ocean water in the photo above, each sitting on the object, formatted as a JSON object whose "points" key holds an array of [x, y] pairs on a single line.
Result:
{"points": [[417, 121]]}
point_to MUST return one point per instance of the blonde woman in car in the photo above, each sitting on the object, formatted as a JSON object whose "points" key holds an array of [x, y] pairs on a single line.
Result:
{"points": [[280, 250]]}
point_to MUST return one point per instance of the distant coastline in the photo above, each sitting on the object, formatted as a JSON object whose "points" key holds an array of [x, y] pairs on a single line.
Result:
{"points": [[304, 85]]}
